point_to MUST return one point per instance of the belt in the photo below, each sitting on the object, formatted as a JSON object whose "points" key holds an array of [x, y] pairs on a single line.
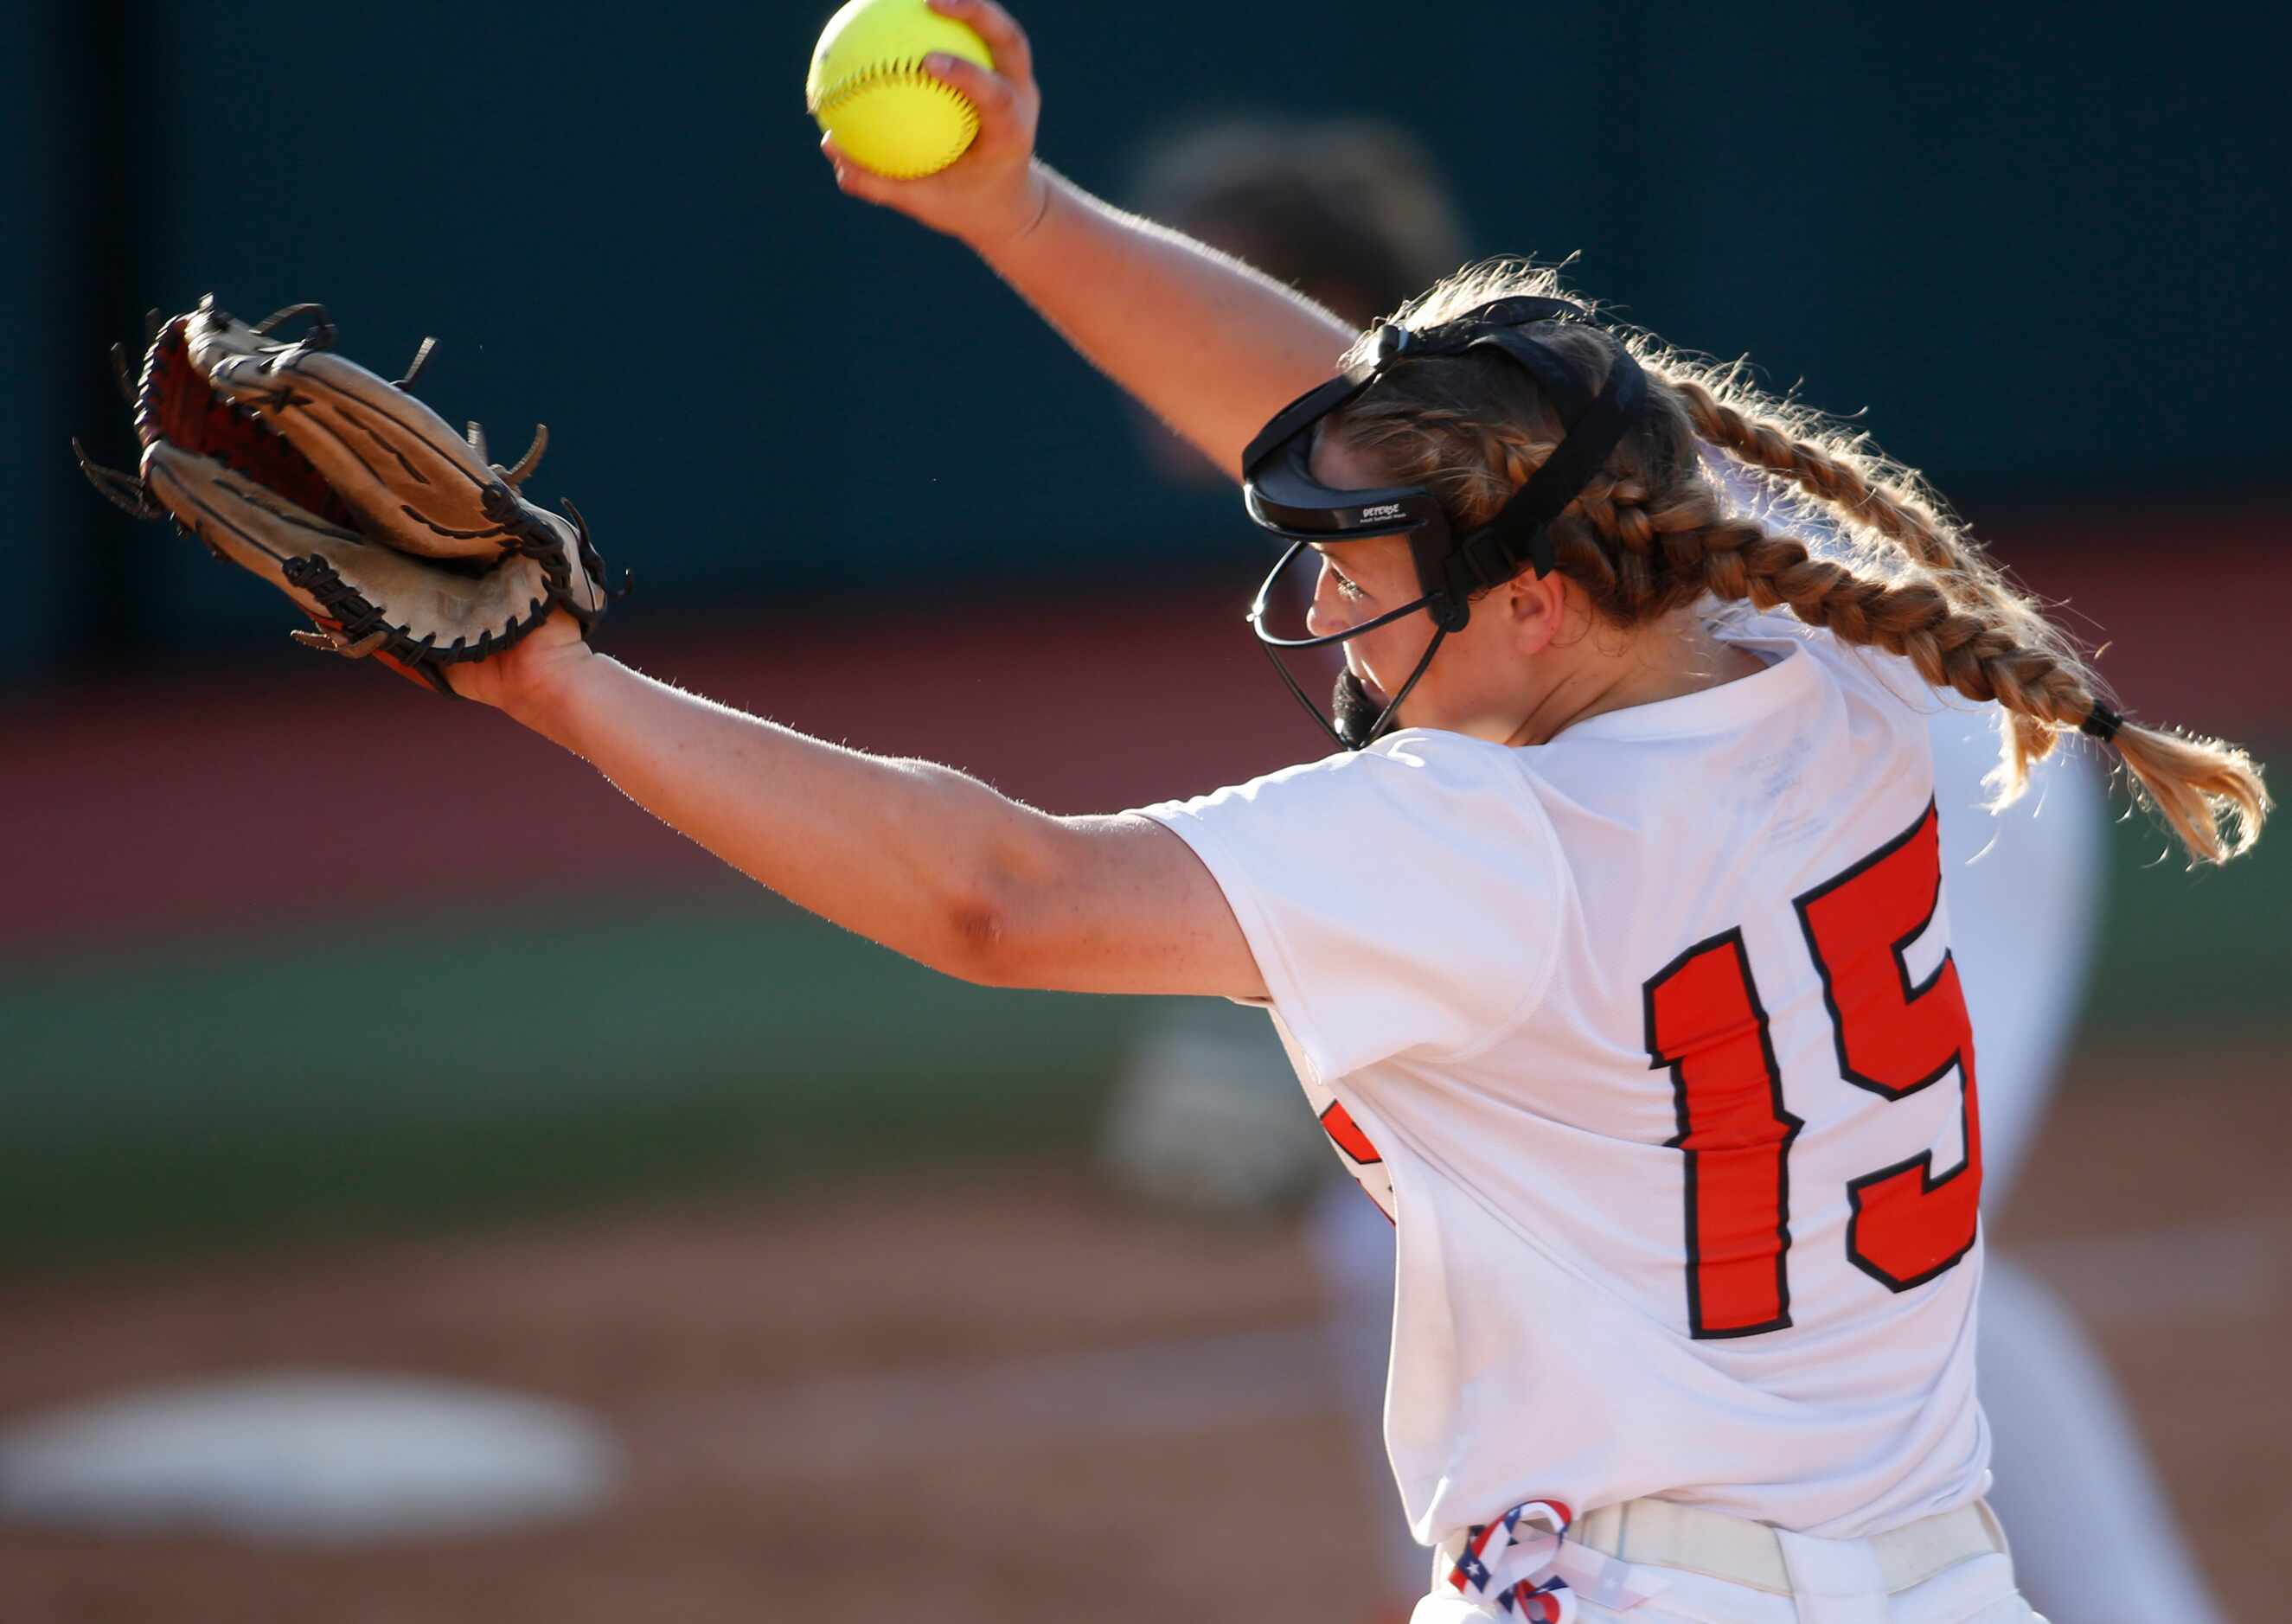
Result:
{"points": [[1665, 1535], [1535, 1563]]}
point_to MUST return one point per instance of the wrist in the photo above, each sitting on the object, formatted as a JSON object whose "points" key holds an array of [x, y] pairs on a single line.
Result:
{"points": [[548, 699], [1010, 234]]}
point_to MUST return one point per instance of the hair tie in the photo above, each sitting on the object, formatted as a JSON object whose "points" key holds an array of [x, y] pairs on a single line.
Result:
{"points": [[2100, 723]]}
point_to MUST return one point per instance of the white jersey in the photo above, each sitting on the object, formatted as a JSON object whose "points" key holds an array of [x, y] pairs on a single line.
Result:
{"points": [[1648, 1040]]}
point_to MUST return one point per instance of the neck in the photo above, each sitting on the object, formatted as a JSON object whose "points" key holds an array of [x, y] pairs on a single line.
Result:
{"points": [[1663, 661]]}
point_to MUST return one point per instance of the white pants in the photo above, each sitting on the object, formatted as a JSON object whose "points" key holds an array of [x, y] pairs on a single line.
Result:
{"points": [[1815, 1581]]}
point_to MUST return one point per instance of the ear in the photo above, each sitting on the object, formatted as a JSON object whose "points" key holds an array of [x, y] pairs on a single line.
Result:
{"points": [[1534, 609]]}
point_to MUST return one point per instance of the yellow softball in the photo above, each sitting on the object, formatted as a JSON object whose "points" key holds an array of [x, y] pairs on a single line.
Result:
{"points": [[868, 89]]}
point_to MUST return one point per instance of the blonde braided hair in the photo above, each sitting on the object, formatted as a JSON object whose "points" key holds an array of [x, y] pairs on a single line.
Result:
{"points": [[1653, 535]]}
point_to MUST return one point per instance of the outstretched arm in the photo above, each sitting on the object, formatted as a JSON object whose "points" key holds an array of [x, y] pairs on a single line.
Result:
{"points": [[1205, 342], [919, 857]]}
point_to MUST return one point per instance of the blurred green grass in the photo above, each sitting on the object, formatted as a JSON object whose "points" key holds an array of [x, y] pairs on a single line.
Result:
{"points": [[293, 1086], [2190, 960], [224, 1089]]}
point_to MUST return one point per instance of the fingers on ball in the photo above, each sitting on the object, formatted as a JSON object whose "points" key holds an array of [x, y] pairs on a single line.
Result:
{"points": [[1007, 41], [988, 91], [850, 177]]}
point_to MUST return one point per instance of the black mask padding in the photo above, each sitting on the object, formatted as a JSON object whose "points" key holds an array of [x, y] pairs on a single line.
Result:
{"points": [[1299, 416], [1283, 497]]}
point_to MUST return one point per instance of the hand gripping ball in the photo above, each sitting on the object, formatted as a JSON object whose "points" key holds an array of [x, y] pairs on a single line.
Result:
{"points": [[868, 87]]}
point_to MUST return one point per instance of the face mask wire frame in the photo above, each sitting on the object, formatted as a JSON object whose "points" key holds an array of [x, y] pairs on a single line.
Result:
{"points": [[1282, 495]]}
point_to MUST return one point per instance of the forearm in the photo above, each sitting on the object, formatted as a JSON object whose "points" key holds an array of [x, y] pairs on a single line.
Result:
{"points": [[1208, 344], [905, 853]]}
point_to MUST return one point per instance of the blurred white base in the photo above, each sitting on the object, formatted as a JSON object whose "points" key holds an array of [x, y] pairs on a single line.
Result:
{"points": [[306, 1456], [1207, 1116]]}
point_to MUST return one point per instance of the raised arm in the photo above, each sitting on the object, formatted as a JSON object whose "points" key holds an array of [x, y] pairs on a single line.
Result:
{"points": [[1203, 341]]}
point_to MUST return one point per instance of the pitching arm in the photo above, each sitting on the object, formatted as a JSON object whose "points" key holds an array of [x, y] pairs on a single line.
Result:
{"points": [[919, 857], [1209, 345]]}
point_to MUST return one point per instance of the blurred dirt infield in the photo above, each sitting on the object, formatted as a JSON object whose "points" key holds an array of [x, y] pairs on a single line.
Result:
{"points": [[1003, 1396]]}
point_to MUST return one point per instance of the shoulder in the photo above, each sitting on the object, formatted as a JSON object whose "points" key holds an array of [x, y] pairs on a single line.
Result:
{"points": [[1406, 897], [1856, 670], [1415, 778], [1420, 823], [1419, 829]]}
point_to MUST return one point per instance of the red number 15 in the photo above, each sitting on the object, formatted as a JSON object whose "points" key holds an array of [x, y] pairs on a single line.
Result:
{"points": [[1705, 1024]]}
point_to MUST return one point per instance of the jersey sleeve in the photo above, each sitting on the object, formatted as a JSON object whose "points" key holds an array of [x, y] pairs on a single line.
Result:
{"points": [[1406, 899]]}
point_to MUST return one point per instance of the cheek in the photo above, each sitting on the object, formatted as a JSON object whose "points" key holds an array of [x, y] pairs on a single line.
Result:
{"points": [[1390, 653], [1340, 607], [1477, 661]]}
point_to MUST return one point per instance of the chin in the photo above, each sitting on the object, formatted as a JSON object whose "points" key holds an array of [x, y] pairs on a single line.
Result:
{"points": [[1355, 706]]}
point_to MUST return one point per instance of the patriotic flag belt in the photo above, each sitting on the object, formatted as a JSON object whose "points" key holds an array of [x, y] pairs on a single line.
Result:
{"points": [[1523, 1568]]}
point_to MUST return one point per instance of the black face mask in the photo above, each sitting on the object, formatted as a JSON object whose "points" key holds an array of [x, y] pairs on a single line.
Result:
{"points": [[1283, 497]]}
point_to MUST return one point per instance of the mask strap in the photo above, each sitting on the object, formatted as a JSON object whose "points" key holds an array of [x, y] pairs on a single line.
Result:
{"points": [[1523, 530]]}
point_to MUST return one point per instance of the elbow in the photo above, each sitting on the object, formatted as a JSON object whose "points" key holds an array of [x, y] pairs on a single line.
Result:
{"points": [[977, 935], [1002, 912], [982, 939]]}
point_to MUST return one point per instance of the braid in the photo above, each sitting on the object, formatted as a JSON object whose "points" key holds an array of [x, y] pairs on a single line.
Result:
{"points": [[2195, 784], [1743, 561], [1612, 501], [1835, 475], [1849, 482], [1650, 535]]}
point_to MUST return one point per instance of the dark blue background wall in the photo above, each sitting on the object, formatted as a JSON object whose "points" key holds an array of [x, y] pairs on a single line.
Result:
{"points": [[2042, 249]]}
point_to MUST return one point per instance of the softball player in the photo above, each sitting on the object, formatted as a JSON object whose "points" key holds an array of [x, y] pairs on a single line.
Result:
{"points": [[1608, 945], [1353, 213]]}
